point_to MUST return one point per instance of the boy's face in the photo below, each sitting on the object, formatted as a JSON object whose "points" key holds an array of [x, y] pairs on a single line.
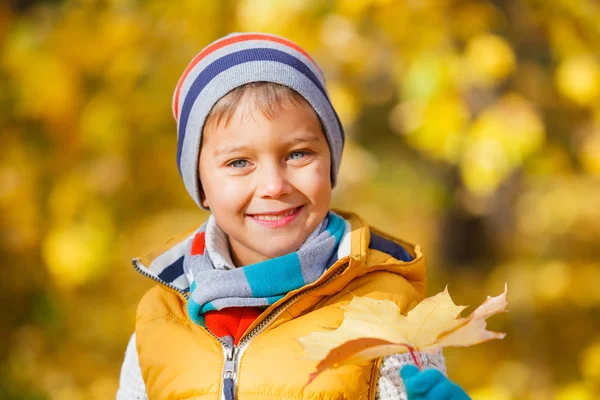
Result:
{"points": [[266, 181]]}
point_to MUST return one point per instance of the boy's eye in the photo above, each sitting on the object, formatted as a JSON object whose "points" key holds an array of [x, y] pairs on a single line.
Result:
{"points": [[238, 163], [296, 155]]}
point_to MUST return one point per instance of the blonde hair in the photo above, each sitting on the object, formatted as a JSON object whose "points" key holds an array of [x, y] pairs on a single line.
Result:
{"points": [[268, 98]]}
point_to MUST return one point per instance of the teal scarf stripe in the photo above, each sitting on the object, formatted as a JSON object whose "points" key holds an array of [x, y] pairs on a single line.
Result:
{"points": [[192, 307], [266, 282], [276, 275], [336, 228], [274, 299], [207, 307]]}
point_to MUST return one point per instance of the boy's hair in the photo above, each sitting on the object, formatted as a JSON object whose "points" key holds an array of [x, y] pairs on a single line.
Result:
{"points": [[267, 97]]}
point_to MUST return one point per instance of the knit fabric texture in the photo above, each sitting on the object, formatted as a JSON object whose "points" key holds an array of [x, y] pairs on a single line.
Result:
{"points": [[390, 384], [236, 60], [260, 284]]}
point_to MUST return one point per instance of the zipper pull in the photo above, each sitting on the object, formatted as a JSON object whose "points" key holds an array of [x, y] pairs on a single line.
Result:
{"points": [[229, 373], [229, 368]]}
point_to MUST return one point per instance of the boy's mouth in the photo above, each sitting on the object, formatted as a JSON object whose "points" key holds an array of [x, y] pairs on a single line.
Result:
{"points": [[276, 218]]}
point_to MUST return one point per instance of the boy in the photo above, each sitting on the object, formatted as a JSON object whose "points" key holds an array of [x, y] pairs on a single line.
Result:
{"points": [[260, 145]]}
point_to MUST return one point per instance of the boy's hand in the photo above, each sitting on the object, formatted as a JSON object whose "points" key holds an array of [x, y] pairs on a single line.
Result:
{"points": [[430, 384]]}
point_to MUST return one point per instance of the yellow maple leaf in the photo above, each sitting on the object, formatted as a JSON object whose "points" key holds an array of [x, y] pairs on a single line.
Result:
{"points": [[376, 328]]}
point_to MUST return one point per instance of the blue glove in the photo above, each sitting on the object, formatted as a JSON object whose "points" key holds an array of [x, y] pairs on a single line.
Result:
{"points": [[430, 384]]}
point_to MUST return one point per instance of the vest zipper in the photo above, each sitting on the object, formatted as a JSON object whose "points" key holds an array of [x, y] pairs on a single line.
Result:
{"points": [[230, 372], [231, 368], [230, 351]]}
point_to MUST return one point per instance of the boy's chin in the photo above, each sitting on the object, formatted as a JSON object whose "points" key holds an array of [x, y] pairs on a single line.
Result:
{"points": [[280, 251], [281, 247]]}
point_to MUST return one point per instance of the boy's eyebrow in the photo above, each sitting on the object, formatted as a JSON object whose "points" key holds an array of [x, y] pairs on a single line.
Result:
{"points": [[232, 149], [241, 149], [306, 138]]}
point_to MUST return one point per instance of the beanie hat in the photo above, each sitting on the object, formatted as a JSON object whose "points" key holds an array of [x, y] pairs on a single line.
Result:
{"points": [[236, 60]]}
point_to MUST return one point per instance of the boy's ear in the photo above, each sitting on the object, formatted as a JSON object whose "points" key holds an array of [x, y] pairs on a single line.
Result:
{"points": [[203, 200]]}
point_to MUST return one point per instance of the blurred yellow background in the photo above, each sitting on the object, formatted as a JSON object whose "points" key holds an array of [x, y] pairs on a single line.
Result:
{"points": [[473, 129]]}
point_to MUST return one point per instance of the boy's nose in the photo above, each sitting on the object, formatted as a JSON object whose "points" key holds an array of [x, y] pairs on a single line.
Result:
{"points": [[273, 183]]}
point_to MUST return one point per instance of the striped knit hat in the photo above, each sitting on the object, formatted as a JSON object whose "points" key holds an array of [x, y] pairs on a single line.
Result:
{"points": [[233, 61]]}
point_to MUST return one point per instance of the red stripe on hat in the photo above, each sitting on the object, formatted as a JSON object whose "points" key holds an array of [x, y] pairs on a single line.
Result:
{"points": [[198, 244], [225, 42]]}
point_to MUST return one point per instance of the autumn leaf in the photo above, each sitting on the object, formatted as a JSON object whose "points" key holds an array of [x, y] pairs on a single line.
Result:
{"points": [[376, 328]]}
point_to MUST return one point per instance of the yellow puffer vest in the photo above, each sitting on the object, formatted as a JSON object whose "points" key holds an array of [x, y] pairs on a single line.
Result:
{"points": [[181, 360]]}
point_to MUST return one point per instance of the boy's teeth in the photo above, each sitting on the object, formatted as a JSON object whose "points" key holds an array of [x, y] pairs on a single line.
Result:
{"points": [[274, 217]]}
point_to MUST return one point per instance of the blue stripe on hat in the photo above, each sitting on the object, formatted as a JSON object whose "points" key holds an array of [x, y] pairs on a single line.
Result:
{"points": [[231, 60]]}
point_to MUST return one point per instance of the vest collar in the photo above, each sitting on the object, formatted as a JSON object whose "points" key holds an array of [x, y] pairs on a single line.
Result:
{"points": [[165, 264]]}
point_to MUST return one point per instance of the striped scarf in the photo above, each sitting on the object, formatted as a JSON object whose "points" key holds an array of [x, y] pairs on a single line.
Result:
{"points": [[217, 285]]}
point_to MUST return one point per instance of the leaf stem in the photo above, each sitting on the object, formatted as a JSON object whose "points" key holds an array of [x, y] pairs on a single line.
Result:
{"points": [[414, 357], [411, 350]]}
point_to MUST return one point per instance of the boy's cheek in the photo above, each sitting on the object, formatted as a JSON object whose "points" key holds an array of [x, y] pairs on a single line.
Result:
{"points": [[224, 194], [229, 195], [317, 173]]}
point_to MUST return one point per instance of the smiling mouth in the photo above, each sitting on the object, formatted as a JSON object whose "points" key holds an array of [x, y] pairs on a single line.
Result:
{"points": [[275, 216]]}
